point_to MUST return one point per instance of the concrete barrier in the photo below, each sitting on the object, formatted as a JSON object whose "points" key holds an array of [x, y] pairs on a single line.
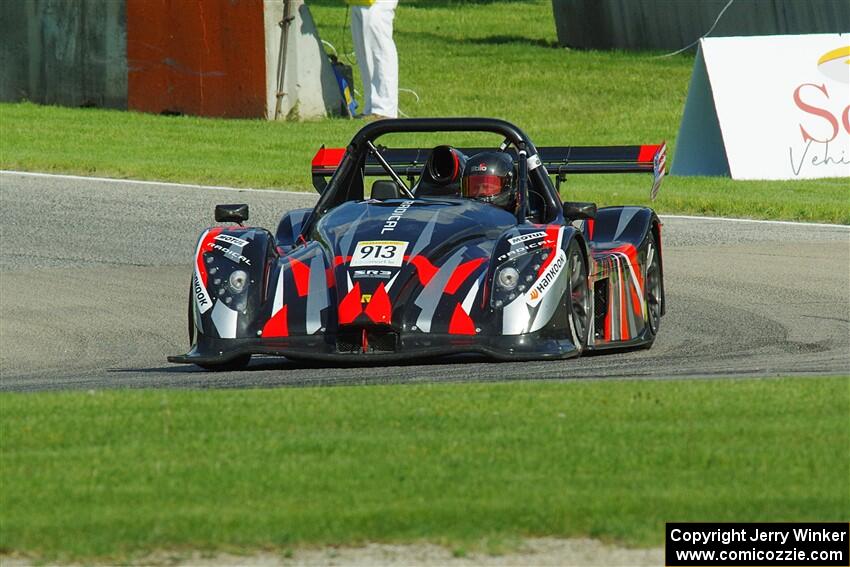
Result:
{"points": [[61, 52], [673, 24], [206, 58], [305, 86]]}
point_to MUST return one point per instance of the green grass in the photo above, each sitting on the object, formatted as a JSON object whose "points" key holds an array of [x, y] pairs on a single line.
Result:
{"points": [[462, 58], [118, 474]]}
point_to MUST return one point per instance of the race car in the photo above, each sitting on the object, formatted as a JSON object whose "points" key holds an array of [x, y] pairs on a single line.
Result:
{"points": [[413, 252]]}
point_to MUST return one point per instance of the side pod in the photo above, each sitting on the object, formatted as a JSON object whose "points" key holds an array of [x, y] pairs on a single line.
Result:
{"points": [[627, 277]]}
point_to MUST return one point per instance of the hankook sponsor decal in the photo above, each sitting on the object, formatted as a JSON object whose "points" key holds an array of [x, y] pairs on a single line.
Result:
{"points": [[544, 283], [378, 253], [395, 216], [202, 298], [229, 254], [232, 240], [526, 237]]}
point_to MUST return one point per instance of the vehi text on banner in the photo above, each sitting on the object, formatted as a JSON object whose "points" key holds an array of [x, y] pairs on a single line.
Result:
{"points": [[768, 107]]}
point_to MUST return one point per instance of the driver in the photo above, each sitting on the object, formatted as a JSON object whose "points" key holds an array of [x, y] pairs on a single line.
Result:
{"points": [[489, 177]]}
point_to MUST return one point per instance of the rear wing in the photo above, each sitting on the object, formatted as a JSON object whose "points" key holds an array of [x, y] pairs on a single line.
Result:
{"points": [[558, 161], [607, 159]]}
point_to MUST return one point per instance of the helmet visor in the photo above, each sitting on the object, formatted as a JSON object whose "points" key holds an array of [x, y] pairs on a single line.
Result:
{"points": [[477, 186]]}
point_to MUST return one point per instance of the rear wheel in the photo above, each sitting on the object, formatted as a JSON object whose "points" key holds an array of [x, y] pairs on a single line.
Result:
{"points": [[652, 292], [578, 300]]}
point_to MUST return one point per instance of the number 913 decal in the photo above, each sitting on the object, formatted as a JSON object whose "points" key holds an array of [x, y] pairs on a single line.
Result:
{"points": [[379, 253]]}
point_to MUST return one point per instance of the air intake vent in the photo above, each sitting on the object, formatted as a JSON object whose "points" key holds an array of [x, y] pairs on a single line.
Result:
{"points": [[600, 307], [355, 339]]}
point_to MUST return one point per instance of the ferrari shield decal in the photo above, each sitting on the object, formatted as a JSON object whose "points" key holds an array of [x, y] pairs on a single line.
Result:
{"points": [[378, 253]]}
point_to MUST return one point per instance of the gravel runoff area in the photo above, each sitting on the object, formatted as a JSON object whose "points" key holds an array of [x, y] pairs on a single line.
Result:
{"points": [[532, 552]]}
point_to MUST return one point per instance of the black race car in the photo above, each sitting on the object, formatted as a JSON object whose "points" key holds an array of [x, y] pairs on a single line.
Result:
{"points": [[399, 258]]}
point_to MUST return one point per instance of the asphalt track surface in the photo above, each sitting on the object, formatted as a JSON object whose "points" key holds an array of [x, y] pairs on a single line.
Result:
{"points": [[94, 277]]}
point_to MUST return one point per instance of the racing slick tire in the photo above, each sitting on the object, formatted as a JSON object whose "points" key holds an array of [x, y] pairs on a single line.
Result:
{"points": [[578, 301], [653, 288]]}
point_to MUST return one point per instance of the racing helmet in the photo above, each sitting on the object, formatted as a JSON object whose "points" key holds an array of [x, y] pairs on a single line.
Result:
{"points": [[489, 177]]}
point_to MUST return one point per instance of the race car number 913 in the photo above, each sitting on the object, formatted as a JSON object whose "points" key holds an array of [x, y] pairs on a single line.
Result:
{"points": [[379, 253]]}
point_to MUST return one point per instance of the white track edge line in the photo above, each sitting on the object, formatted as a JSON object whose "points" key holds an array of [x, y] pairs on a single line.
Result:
{"points": [[152, 183], [759, 221], [306, 193]]}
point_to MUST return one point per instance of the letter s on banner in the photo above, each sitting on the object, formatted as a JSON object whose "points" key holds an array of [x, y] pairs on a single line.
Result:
{"points": [[823, 113]]}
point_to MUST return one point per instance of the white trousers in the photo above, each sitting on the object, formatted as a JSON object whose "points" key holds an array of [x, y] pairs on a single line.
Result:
{"points": [[372, 32]]}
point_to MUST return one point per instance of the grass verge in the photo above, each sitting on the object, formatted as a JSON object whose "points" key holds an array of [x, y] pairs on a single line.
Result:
{"points": [[460, 58], [119, 474]]}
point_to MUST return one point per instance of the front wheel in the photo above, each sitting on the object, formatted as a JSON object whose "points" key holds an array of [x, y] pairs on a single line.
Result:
{"points": [[578, 300]]}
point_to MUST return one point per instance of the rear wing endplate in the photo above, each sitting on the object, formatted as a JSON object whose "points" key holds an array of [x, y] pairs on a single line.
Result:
{"points": [[558, 161]]}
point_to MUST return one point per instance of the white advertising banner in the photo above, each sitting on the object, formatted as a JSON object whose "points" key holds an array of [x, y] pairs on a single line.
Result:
{"points": [[768, 107]]}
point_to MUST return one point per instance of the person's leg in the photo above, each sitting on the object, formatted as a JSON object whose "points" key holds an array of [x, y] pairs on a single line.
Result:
{"points": [[378, 37], [359, 23]]}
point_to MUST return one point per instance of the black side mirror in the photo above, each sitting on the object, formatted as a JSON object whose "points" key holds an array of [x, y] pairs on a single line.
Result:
{"points": [[384, 189], [575, 211], [231, 213]]}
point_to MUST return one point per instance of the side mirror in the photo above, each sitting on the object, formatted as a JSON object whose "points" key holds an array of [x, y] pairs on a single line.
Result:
{"points": [[575, 211], [231, 213]]}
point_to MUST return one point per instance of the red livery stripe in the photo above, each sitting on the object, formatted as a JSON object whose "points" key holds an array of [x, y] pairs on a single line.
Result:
{"points": [[301, 273], [424, 268], [461, 273], [552, 232], [461, 323], [277, 326], [350, 306], [208, 239], [379, 309], [624, 318]]}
